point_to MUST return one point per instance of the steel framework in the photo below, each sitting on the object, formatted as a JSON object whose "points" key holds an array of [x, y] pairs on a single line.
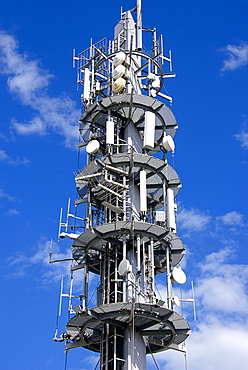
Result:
{"points": [[128, 190]]}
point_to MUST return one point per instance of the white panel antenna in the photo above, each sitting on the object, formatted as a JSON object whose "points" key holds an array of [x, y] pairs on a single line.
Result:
{"points": [[110, 131], [149, 131], [143, 192], [171, 210], [86, 94]]}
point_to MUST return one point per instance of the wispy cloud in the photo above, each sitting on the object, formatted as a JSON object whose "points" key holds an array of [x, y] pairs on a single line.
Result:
{"points": [[29, 82], [12, 212], [243, 138], [89, 362], [5, 195], [231, 219], [22, 264], [37, 264], [4, 157], [236, 56], [192, 219]]}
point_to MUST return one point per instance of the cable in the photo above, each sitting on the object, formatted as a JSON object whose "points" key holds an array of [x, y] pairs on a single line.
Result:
{"points": [[153, 356], [92, 295], [66, 357], [158, 291], [97, 364]]}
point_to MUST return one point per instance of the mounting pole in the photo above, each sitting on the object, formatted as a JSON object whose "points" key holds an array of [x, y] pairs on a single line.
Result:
{"points": [[139, 24]]}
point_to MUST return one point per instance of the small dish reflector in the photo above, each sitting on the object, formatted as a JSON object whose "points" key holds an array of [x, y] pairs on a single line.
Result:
{"points": [[124, 267], [168, 143], [178, 276], [119, 58], [119, 85], [151, 76], [153, 93], [156, 82], [176, 301], [92, 147], [119, 71]]}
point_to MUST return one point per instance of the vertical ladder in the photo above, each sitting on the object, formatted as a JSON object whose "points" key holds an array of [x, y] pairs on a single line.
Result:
{"points": [[112, 336]]}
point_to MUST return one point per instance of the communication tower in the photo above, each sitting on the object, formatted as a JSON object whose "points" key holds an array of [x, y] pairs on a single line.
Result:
{"points": [[127, 190]]}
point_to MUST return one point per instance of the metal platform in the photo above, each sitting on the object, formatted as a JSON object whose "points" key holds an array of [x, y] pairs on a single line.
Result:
{"points": [[159, 326], [126, 107], [97, 238]]}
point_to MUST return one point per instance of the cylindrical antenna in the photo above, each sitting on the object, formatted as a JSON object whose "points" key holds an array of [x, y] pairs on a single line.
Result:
{"points": [[51, 250], [61, 295], [60, 220], [67, 216], [170, 210], [139, 25], [70, 294], [170, 57], [193, 299], [73, 57]]}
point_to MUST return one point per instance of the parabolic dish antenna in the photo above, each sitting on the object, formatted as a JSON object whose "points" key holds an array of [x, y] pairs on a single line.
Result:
{"points": [[119, 58], [168, 143], [119, 71], [124, 267], [176, 301], [119, 85], [178, 276], [92, 147]]}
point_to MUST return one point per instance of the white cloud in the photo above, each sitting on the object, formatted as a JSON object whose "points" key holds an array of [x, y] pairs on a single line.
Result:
{"points": [[243, 138], [232, 219], [192, 219], [237, 56], [12, 212], [50, 273], [90, 362], [218, 345], [22, 264], [35, 126], [29, 82], [4, 157], [219, 338], [222, 286], [6, 196]]}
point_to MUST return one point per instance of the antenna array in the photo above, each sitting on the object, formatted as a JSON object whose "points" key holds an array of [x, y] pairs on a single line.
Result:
{"points": [[127, 190]]}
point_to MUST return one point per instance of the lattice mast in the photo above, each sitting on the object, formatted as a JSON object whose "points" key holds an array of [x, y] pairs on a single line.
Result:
{"points": [[127, 189]]}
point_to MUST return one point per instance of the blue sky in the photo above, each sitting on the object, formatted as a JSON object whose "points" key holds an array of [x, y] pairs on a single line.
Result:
{"points": [[39, 112]]}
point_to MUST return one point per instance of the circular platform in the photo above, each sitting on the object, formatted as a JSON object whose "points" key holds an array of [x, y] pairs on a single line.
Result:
{"points": [[96, 239], [125, 107], [160, 326], [156, 169]]}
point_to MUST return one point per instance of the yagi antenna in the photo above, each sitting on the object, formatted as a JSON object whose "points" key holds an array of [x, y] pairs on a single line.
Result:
{"points": [[59, 310], [190, 299], [64, 224]]}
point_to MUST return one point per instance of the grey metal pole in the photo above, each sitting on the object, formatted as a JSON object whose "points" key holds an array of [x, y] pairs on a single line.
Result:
{"points": [[139, 25]]}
